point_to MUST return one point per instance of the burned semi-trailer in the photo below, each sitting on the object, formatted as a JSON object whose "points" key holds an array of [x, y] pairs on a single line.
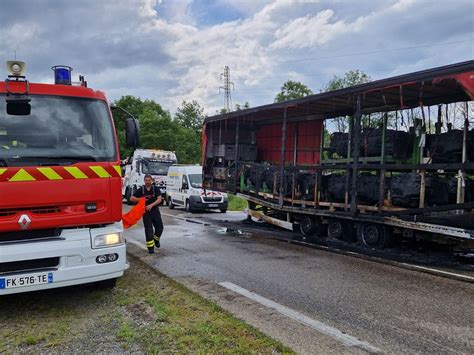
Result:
{"points": [[404, 168]]}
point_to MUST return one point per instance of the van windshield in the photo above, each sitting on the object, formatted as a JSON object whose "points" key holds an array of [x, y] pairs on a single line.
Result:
{"points": [[195, 180], [59, 130]]}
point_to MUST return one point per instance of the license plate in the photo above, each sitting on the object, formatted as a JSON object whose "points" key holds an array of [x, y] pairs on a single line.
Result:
{"points": [[26, 280], [213, 205]]}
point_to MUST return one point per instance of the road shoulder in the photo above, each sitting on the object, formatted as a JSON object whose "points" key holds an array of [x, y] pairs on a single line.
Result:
{"points": [[290, 333]]}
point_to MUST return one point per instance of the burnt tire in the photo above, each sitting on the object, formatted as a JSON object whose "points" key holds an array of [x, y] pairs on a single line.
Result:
{"points": [[312, 228], [341, 230], [374, 236]]}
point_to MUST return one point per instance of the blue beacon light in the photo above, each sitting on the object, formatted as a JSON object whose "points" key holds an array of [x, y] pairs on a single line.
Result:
{"points": [[62, 74]]}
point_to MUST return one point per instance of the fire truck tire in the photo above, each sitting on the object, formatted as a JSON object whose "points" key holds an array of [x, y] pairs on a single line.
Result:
{"points": [[131, 192], [373, 235], [106, 284], [170, 204], [128, 194], [312, 227]]}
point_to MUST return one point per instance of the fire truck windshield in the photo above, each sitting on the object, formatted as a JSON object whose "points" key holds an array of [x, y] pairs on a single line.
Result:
{"points": [[59, 130], [154, 167]]}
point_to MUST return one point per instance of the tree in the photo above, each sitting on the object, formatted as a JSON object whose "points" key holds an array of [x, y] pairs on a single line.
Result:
{"points": [[139, 109], [350, 78], [190, 115], [292, 90], [239, 107]]}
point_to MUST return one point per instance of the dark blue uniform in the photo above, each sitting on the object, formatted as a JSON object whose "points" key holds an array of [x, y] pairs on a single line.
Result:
{"points": [[151, 219]]}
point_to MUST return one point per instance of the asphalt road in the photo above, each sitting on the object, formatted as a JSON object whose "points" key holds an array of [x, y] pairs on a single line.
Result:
{"points": [[393, 309]]}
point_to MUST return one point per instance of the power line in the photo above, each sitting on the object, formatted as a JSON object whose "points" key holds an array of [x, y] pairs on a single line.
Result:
{"points": [[373, 52], [225, 76]]}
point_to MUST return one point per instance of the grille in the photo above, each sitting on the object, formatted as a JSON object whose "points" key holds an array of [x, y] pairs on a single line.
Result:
{"points": [[29, 235], [24, 265], [212, 199], [34, 210]]}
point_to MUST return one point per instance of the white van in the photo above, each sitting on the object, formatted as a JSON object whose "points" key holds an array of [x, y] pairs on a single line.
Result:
{"points": [[184, 188]]}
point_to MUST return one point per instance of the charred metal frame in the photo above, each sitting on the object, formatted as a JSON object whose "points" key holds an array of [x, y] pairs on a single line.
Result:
{"points": [[282, 165], [355, 155]]}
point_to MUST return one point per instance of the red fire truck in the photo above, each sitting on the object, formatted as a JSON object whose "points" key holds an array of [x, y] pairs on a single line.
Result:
{"points": [[60, 184]]}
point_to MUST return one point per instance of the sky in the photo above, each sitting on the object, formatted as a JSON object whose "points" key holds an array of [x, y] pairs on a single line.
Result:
{"points": [[175, 50]]}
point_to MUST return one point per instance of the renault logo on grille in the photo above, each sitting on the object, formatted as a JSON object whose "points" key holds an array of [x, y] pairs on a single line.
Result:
{"points": [[24, 221]]}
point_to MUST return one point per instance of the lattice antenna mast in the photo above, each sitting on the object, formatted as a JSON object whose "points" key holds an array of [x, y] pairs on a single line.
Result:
{"points": [[225, 77]]}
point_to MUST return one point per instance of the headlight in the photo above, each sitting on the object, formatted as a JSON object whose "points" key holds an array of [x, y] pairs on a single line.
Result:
{"points": [[107, 240]]}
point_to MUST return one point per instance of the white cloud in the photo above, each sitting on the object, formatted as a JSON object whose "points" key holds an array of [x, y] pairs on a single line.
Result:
{"points": [[311, 30]]}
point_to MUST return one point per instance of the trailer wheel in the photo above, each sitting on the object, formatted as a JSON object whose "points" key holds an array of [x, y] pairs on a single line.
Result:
{"points": [[312, 228], [341, 230], [374, 236]]}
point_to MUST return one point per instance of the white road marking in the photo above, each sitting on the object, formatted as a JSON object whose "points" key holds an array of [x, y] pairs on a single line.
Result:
{"points": [[437, 271], [301, 318]]}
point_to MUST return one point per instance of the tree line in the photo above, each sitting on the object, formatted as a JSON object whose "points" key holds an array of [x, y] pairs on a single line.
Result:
{"points": [[182, 133]]}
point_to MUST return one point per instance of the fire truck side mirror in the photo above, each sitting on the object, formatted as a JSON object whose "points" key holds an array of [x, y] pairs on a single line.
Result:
{"points": [[132, 127], [18, 107], [132, 132]]}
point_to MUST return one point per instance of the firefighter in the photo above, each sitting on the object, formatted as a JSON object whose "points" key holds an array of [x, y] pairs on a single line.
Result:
{"points": [[152, 217]]}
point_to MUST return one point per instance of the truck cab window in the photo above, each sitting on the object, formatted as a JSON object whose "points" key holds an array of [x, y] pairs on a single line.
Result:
{"points": [[58, 130]]}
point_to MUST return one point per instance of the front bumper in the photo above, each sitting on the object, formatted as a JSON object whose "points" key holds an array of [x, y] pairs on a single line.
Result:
{"points": [[196, 203], [77, 259]]}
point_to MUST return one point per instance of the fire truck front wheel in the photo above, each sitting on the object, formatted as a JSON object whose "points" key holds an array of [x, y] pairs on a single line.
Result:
{"points": [[105, 284]]}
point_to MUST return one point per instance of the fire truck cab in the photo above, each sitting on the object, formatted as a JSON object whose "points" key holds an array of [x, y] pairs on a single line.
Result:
{"points": [[60, 184]]}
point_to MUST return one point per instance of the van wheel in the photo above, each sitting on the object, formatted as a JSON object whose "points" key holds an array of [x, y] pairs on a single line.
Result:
{"points": [[170, 203], [187, 207], [223, 210]]}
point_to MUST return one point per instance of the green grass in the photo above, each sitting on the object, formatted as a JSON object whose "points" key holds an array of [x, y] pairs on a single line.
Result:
{"points": [[236, 203], [146, 312]]}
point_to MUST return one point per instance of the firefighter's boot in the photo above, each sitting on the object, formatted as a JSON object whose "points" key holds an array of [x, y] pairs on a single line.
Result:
{"points": [[150, 246], [157, 241]]}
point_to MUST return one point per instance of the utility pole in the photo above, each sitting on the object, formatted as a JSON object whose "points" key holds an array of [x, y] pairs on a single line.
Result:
{"points": [[225, 77]]}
